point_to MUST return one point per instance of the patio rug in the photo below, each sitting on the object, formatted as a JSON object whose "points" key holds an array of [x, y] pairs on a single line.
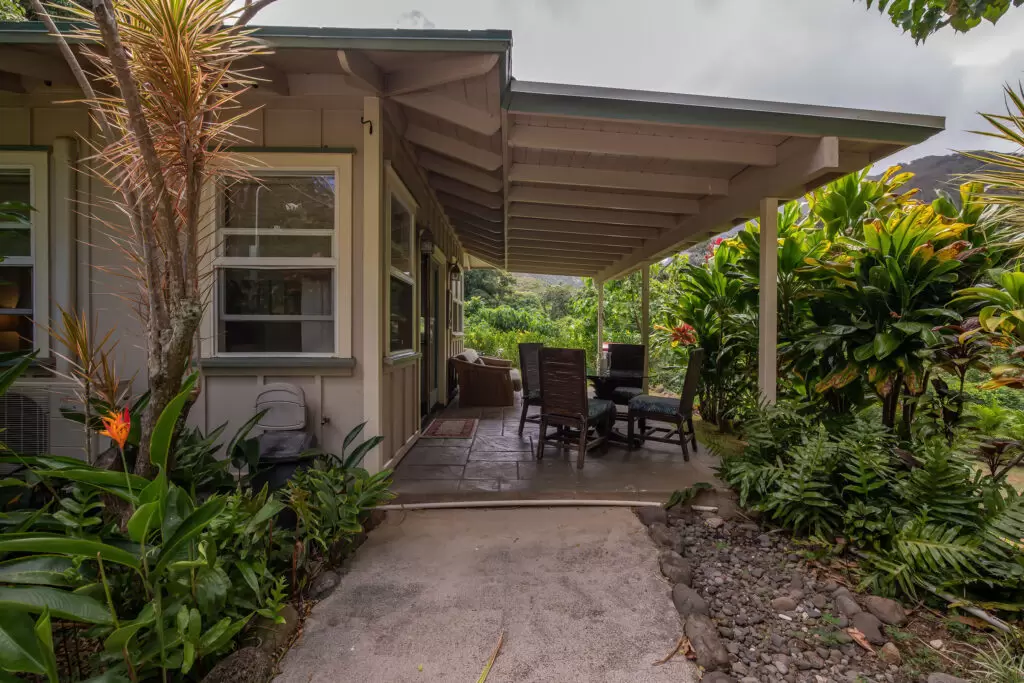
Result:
{"points": [[451, 428]]}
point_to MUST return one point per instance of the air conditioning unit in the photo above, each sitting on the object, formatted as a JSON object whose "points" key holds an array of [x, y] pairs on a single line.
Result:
{"points": [[31, 422]]}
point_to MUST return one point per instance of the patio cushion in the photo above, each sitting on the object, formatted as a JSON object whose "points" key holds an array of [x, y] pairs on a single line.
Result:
{"points": [[622, 395], [533, 394], [517, 379], [661, 405], [471, 356], [599, 407]]}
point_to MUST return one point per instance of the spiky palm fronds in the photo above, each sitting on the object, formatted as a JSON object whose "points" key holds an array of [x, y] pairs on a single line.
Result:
{"points": [[1003, 174]]}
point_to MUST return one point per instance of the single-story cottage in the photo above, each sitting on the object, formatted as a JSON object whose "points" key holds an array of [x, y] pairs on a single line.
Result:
{"points": [[388, 163]]}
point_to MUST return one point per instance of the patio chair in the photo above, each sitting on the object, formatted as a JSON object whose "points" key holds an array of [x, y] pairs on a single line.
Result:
{"points": [[485, 382], [564, 404], [675, 411], [529, 368], [627, 359]]}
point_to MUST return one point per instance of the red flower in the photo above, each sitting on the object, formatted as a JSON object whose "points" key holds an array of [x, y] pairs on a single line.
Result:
{"points": [[117, 427], [681, 335]]}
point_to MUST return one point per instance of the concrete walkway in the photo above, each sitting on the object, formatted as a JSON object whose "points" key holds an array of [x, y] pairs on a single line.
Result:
{"points": [[577, 592]]}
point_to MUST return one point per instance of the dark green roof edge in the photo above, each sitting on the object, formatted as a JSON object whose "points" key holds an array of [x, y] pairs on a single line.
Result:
{"points": [[490, 40], [721, 112]]}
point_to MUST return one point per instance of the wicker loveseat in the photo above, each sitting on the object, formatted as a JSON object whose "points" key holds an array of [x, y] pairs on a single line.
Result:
{"points": [[484, 381]]}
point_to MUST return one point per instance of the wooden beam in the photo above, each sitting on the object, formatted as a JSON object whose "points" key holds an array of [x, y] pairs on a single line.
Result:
{"points": [[475, 210], [564, 245], [802, 160], [465, 174], [525, 194], [635, 145], [550, 269], [542, 255], [491, 230], [572, 213], [617, 180], [445, 108], [438, 72], [361, 70], [36, 65], [578, 228], [454, 148], [482, 238], [468, 192], [578, 241], [489, 251]]}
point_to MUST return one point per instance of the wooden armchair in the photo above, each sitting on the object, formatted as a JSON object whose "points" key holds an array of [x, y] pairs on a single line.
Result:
{"points": [[676, 412], [529, 365], [485, 382], [578, 421]]}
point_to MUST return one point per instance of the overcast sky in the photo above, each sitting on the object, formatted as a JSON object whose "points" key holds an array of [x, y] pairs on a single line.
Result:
{"points": [[832, 52]]}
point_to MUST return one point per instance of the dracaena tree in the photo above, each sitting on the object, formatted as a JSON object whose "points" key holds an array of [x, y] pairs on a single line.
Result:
{"points": [[163, 86]]}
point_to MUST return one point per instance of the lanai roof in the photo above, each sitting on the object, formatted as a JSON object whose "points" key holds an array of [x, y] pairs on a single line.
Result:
{"points": [[550, 178]]}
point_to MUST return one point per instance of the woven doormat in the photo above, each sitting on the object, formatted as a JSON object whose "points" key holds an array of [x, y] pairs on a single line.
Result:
{"points": [[451, 428]]}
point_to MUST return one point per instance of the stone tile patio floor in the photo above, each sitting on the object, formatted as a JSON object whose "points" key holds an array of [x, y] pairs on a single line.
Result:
{"points": [[498, 464]]}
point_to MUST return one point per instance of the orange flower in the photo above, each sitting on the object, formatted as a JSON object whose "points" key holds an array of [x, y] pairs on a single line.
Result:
{"points": [[117, 427]]}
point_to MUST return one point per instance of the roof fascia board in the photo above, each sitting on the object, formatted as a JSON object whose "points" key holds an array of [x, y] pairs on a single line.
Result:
{"points": [[719, 112]]}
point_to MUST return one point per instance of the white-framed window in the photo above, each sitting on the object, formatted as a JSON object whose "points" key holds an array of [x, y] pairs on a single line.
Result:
{"points": [[282, 264], [401, 266], [458, 285], [24, 251]]}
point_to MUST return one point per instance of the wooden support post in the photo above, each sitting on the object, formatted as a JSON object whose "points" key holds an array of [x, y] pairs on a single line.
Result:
{"points": [[373, 279], [600, 319], [768, 301], [645, 320]]}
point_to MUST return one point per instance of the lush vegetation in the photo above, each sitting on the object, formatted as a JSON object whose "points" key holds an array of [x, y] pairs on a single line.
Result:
{"points": [[922, 18], [166, 573]]}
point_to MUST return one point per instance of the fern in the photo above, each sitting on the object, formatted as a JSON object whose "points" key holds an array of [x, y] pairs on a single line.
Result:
{"points": [[943, 489], [867, 468], [805, 500], [1003, 532]]}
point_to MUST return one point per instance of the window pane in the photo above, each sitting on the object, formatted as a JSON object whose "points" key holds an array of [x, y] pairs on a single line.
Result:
{"points": [[16, 186], [16, 288], [306, 336], [250, 291], [401, 316], [276, 202], [15, 242], [401, 238], [15, 332], [275, 245]]}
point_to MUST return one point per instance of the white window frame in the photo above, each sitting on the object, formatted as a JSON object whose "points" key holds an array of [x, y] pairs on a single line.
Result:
{"points": [[340, 261], [458, 288], [397, 190], [37, 162]]}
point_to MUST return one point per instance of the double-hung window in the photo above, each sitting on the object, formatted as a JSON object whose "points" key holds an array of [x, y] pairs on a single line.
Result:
{"points": [[402, 265], [24, 249], [283, 254]]}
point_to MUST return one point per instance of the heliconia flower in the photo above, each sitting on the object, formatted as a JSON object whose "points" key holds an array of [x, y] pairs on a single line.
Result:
{"points": [[118, 425], [681, 335]]}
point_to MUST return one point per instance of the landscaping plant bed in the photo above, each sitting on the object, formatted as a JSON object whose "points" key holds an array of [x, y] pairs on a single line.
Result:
{"points": [[756, 606]]}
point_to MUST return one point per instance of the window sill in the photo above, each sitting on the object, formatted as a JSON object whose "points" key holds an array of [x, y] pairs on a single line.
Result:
{"points": [[278, 365], [402, 358]]}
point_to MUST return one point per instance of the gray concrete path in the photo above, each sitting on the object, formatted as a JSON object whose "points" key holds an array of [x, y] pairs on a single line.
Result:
{"points": [[577, 592]]}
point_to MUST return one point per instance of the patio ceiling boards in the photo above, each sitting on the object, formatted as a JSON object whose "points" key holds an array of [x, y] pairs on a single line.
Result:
{"points": [[603, 181]]}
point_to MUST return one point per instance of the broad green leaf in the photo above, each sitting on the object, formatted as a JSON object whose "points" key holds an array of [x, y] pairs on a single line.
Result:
{"points": [[187, 531], [221, 635], [268, 511], [62, 604], [44, 634], [163, 430], [120, 637], [885, 343], [66, 545], [141, 522], [49, 570], [20, 649]]}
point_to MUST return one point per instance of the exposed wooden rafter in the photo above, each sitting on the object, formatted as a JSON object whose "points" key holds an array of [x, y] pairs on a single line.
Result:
{"points": [[801, 161], [35, 65], [475, 210], [453, 147], [490, 200], [617, 180], [439, 72], [363, 72], [581, 228], [572, 213], [626, 243], [445, 108], [562, 245], [453, 169], [636, 145], [602, 200]]}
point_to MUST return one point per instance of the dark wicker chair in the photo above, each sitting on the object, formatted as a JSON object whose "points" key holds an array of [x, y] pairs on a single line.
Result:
{"points": [[678, 412], [564, 404], [627, 359], [529, 367]]}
